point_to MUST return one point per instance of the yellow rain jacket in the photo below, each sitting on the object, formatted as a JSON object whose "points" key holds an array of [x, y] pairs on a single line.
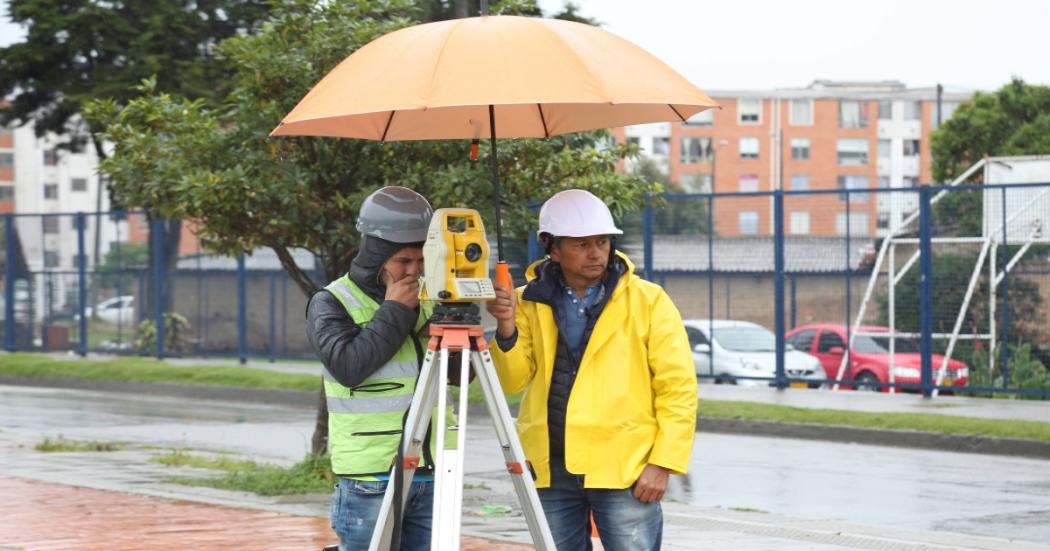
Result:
{"points": [[635, 395]]}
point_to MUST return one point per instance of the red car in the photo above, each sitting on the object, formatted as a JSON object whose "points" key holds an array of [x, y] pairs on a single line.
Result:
{"points": [[870, 357]]}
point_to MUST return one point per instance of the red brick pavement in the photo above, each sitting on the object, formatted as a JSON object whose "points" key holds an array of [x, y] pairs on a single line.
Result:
{"points": [[42, 516]]}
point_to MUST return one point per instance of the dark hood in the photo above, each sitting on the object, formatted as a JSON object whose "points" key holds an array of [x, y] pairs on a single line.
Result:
{"points": [[367, 265]]}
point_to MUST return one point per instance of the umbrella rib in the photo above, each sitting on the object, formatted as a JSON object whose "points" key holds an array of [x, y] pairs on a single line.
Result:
{"points": [[676, 112], [546, 133], [387, 129]]}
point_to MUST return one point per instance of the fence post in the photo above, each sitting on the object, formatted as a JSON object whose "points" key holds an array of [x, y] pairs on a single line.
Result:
{"points": [[1004, 341], [647, 240], [242, 315], [778, 284], [82, 346], [925, 290], [273, 316], [710, 281], [9, 283], [156, 233], [530, 252]]}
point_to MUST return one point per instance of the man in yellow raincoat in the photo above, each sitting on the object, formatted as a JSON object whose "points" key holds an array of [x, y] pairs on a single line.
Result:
{"points": [[609, 410]]}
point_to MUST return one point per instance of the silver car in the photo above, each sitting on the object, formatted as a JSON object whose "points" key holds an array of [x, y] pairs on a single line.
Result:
{"points": [[740, 350]]}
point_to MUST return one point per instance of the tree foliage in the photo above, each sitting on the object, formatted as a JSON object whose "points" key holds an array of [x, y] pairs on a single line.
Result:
{"points": [[1014, 120], [219, 166], [79, 50]]}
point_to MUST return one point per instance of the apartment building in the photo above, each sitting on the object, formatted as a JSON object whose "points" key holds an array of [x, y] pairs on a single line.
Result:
{"points": [[829, 135]]}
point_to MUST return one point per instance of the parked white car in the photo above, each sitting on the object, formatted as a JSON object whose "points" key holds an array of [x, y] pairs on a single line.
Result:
{"points": [[116, 310], [744, 349]]}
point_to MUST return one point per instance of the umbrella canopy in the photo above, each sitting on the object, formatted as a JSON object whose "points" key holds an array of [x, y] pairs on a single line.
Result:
{"points": [[543, 77]]}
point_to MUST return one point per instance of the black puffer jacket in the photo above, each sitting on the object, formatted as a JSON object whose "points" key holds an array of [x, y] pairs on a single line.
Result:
{"points": [[350, 352]]}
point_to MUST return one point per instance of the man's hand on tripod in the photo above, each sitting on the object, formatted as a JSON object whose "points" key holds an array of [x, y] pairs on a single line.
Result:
{"points": [[404, 290], [502, 308]]}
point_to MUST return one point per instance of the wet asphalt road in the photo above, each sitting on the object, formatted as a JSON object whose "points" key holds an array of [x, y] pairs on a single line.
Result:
{"points": [[902, 488]]}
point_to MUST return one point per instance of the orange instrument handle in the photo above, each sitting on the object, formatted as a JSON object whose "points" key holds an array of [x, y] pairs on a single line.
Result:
{"points": [[503, 278]]}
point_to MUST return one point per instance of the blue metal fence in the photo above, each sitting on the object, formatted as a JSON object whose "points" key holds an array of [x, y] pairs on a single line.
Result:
{"points": [[790, 261]]}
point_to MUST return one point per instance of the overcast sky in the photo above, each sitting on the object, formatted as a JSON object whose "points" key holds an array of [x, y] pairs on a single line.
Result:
{"points": [[765, 44]]}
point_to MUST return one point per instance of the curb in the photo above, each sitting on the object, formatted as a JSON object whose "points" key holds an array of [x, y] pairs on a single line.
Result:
{"points": [[1013, 447]]}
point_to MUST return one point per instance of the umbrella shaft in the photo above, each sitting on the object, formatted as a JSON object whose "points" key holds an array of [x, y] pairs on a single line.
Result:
{"points": [[495, 183]]}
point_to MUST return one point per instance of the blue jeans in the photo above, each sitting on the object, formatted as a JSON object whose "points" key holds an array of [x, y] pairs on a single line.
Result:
{"points": [[624, 523], [355, 509]]}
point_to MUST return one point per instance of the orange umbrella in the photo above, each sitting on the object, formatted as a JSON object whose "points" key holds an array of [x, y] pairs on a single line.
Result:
{"points": [[455, 79]]}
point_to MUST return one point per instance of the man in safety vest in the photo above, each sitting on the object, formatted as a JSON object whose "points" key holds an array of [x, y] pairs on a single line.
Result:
{"points": [[367, 328], [610, 407]]}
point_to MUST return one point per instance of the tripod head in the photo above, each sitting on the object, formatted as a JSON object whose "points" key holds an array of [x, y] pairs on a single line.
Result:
{"points": [[456, 313]]}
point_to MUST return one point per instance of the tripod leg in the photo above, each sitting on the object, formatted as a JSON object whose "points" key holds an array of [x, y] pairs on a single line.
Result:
{"points": [[513, 453], [416, 424], [448, 486]]}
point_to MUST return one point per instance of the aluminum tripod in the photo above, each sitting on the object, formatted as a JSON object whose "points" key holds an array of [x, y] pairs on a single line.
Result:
{"points": [[430, 396]]}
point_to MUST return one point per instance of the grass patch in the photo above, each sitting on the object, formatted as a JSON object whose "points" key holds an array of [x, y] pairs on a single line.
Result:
{"points": [[153, 371], [60, 444], [944, 424], [748, 510], [311, 475]]}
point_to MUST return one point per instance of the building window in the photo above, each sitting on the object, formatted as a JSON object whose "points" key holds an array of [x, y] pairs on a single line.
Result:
{"points": [[50, 224], [633, 140], [853, 114], [882, 221], [695, 150], [662, 146], [79, 184], [947, 110], [800, 149], [748, 183], [50, 191], [799, 223], [50, 259], [909, 181], [801, 112], [749, 111], [695, 183], [7, 193], [853, 182], [882, 182], [884, 149], [911, 148], [748, 222], [703, 118], [913, 110], [800, 182], [50, 157], [858, 224], [885, 110], [852, 151], [73, 223], [748, 148], [7, 159]]}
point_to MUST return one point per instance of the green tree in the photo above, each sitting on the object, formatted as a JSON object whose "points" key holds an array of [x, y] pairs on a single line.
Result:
{"points": [[76, 51], [1014, 120], [217, 165]]}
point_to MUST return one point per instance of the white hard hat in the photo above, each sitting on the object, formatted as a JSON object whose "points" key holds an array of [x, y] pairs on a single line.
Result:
{"points": [[576, 213]]}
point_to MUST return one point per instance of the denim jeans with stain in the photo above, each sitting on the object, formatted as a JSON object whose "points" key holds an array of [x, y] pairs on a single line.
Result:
{"points": [[624, 523], [355, 509]]}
